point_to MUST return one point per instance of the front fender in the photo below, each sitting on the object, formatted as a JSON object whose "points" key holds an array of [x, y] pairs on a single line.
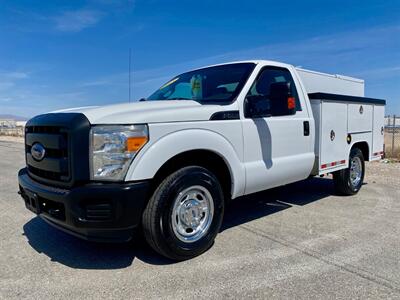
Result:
{"points": [[155, 155]]}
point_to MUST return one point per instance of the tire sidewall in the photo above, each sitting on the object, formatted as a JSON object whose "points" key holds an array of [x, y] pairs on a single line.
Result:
{"points": [[191, 176]]}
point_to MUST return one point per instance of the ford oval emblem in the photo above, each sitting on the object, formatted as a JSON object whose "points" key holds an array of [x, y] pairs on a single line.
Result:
{"points": [[38, 151]]}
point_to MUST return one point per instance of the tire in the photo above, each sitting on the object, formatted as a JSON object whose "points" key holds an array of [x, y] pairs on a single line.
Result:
{"points": [[349, 181], [181, 197]]}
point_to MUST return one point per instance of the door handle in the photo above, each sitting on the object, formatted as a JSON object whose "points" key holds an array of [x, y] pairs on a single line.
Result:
{"points": [[306, 128]]}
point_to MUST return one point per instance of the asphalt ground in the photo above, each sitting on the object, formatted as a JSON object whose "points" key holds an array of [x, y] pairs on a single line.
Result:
{"points": [[298, 241]]}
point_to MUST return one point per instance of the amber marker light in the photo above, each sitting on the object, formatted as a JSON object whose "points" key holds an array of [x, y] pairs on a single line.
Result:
{"points": [[134, 143]]}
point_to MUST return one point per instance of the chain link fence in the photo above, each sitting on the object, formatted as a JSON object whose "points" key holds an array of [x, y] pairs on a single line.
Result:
{"points": [[392, 136]]}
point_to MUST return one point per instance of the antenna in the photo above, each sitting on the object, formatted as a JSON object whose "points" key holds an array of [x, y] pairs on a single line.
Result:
{"points": [[130, 61]]}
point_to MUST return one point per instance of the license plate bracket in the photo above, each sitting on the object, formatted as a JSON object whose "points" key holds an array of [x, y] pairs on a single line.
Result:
{"points": [[33, 203]]}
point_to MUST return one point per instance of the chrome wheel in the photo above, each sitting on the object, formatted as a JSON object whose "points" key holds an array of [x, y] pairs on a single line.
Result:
{"points": [[356, 171], [192, 214]]}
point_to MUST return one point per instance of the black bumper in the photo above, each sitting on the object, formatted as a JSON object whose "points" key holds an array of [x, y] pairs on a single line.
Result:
{"points": [[106, 212]]}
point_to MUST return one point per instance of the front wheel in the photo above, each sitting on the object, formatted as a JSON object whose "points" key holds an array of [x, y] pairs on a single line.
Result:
{"points": [[184, 214], [349, 181]]}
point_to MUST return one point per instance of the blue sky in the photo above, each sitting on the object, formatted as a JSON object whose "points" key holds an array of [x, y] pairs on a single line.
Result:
{"points": [[60, 54]]}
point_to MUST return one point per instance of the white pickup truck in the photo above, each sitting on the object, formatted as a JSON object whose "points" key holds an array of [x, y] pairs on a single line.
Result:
{"points": [[168, 164]]}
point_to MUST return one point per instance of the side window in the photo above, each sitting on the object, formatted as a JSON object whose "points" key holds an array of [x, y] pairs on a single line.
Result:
{"points": [[270, 75]]}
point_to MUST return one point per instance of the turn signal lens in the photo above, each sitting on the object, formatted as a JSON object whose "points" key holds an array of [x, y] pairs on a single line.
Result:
{"points": [[134, 143]]}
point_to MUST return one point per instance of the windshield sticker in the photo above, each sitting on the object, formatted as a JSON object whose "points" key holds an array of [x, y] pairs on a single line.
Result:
{"points": [[169, 83], [197, 86]]}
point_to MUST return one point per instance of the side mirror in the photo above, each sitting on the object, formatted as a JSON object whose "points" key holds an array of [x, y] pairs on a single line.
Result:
{"points": [[257, 106], [281, 100]]}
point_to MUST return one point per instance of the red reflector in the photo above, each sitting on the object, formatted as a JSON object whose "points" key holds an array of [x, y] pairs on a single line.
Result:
{"points": [[323, 166], [291, 103], [333, 164], [378, 153], [343, 161]]}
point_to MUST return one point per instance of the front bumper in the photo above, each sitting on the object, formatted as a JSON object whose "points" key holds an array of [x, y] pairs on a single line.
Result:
{"points": [[106, 212]]}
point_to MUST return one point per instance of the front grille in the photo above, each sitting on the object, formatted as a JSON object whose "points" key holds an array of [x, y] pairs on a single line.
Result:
{"points": [[55, 164], [54, 153], [47, 174], [65, 137], [43, 129]]}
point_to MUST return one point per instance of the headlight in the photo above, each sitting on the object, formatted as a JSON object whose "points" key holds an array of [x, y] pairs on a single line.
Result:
{"points": [[112, 149]]}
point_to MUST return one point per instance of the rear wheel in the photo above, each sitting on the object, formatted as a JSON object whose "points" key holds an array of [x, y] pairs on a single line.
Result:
{"points": [[184, 214], [349, 181]]}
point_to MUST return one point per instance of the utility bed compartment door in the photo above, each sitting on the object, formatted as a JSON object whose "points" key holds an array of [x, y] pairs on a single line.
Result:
{"points": [[379, 115], [334, 148], [359, 117]]}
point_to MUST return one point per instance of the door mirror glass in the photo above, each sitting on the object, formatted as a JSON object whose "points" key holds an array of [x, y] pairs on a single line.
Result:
{"points": [[257, 106], [282, 103]]}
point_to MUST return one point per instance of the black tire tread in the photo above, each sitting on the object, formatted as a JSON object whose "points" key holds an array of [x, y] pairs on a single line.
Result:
{"points": [[149, 223]]}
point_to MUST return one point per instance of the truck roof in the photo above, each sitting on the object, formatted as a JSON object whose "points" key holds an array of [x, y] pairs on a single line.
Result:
{"points": [[274, 62], [254, 61]]}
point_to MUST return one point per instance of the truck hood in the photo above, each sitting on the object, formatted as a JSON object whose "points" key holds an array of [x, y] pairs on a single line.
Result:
{"points": [[147, 112]]}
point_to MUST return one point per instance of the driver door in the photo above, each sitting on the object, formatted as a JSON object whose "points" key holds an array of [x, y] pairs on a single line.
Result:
{"points": [[277, 148]]}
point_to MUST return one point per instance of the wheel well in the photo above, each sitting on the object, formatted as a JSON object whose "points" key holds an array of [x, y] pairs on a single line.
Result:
{"points": [[204, 158], [363, 146]]}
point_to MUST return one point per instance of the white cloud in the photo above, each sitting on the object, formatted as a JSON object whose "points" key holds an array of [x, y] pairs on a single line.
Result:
{"points": [[6, 85], [98, 82], [75, 21], [13, 75], [385, 71], [8, 80], [17, 75]]}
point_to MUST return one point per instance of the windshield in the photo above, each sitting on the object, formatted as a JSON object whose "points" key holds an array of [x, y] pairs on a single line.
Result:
{"points": [[209, 85]]}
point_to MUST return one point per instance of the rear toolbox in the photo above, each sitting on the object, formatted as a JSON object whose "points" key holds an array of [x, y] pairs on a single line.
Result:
{"points": [[341, 121]]}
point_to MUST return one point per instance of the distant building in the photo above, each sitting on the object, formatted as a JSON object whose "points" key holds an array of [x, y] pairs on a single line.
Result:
{"points": [[20, 123], [8, 123], [12, 127]]}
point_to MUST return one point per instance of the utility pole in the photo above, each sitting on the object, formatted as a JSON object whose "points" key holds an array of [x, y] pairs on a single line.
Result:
{"points": [[393, 133], [130, 61]]}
